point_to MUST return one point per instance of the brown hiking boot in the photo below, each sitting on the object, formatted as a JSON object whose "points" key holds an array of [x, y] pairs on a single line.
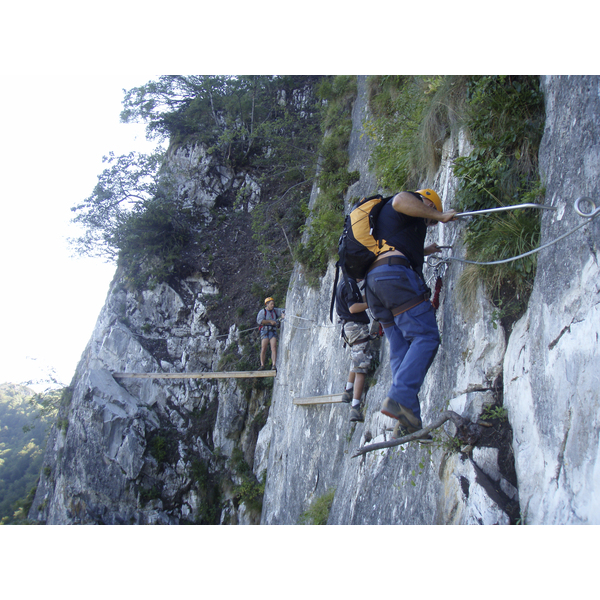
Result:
{"points": [[348, 395], [356, 414], [400, 431], [404, 415]]}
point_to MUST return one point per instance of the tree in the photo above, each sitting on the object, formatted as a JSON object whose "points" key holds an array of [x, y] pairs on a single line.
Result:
{"points": [[124, 189]]}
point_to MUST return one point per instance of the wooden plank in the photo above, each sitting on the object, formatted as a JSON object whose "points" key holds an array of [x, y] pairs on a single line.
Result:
{"points": [[326, 399], [207, 375]]}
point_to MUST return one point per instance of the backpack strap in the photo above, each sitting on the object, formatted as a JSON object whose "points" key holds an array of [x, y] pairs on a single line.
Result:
{"points": [[335, 282]]}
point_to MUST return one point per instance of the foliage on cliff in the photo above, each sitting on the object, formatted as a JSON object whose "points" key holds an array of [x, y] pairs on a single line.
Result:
{"points": [[411, 118], [505, 120], [327, 216]]}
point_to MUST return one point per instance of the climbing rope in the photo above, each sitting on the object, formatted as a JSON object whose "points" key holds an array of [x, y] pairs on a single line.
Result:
{"points": [[238, 332], [289, 325], [591, 215], [311, 327]]}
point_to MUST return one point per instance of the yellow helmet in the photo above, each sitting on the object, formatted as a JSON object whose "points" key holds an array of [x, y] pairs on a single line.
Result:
{"points": [[431, 195], [267, 300]]}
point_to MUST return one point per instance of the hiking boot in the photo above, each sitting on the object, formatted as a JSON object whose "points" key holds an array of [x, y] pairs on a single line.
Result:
{"points": [[347, 396], [261, 368], [400, 431], [404, 415], [356, 414]]}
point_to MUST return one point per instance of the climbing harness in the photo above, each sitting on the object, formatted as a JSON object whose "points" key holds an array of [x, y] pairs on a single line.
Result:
{"points": [[588, 215]]}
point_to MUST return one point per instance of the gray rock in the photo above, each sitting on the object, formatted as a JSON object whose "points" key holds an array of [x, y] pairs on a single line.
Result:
{"points": [[551, 385]]}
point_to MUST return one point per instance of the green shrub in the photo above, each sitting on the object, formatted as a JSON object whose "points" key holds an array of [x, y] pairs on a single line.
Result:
{"points": [[250, 493], [495, 412], [147, 495], [159, 448], [238, 462], [200, 473], [151, 243], [209, 490], [318, 512]]}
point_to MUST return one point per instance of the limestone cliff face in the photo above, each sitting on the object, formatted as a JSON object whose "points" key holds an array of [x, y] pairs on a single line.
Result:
{"points": [[551, 366], [185, 451]]}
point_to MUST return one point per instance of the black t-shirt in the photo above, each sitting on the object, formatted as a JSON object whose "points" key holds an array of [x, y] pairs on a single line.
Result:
{"points": [[406, 234], [344, 298]]}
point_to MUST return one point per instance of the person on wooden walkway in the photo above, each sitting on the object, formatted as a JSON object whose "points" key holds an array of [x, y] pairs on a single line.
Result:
{"points": [[268, 320]]}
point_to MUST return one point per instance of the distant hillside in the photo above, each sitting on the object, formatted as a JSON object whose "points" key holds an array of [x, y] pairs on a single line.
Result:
{"points": [[23, 433]]}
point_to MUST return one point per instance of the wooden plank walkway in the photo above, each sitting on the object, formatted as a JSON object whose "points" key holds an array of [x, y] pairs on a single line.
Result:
{"points": [[326, 399], [207, 375]]}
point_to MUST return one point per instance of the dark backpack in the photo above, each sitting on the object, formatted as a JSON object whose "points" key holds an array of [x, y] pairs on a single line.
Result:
{"points": [[359, 244]]}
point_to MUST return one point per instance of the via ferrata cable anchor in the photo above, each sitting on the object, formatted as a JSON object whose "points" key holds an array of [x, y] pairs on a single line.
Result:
{"points": [[593, 213]]}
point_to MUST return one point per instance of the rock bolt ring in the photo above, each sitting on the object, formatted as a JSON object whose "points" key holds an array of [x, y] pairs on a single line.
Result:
{"points": [[594, 210]]}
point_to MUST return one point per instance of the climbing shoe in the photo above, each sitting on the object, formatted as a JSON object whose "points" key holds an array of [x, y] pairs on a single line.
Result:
{"points": [[347, 396], [404, 415], [356, 414], [425, 439]]}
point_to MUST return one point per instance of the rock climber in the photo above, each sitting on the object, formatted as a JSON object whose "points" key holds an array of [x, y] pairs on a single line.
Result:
{"points": [[268, 320], [398, 298], [351, 308]]}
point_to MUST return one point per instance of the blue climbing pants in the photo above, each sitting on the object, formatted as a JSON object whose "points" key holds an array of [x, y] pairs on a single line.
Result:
{"points": [[413, 335]]}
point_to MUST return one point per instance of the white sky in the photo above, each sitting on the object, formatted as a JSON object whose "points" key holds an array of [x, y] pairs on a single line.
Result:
{"points": [[56, 130]]}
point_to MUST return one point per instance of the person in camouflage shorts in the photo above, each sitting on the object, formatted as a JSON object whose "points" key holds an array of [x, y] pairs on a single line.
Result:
{"points": [[351, 309]]}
